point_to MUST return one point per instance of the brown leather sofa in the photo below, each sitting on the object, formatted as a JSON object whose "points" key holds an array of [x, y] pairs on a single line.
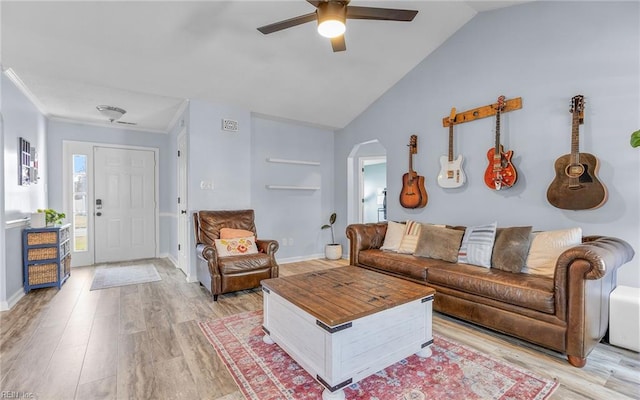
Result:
{"points": [[232, 273], [568, 313]]}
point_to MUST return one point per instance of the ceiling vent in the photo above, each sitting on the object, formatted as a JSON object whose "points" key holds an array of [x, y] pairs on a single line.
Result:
{"points": [[229, 125]]}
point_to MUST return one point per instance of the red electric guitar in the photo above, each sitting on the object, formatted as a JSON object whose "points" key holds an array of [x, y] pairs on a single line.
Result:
{"points": [[500, 173]]}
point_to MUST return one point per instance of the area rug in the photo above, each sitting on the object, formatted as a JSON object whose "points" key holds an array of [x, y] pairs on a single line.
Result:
{"points": [[453, 371], [106, 277]]}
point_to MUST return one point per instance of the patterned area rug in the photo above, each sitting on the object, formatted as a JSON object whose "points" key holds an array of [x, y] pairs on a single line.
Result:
{"points": [[107, 277], [453, 371]]}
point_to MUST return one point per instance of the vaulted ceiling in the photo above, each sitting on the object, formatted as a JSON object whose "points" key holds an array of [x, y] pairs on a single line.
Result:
{"points": [[149, 57]]}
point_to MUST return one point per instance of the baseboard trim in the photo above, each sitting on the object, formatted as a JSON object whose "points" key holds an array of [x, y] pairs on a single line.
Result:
{"points": [[11, 301], [298, 259]]}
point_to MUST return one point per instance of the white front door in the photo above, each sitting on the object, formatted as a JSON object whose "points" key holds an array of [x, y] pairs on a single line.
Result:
{"points": [[183, 216], [124, 204]]}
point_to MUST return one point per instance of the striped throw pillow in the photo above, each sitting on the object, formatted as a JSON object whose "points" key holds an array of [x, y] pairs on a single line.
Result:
{"points": [[477, 245], [410, 238]]}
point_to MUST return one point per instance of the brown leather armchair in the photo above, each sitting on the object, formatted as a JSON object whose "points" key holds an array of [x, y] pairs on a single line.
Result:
{"points": [[232, 273]]}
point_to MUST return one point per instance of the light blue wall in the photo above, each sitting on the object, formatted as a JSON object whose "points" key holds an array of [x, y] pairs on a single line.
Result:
{"points": [[60, 131], [544, 52], [218, 156], [292, 215], [21, 119]]}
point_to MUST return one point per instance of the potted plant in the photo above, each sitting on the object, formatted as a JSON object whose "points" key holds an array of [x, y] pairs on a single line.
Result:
{"points": [[635, 139], [52, 217], [333, 250]]}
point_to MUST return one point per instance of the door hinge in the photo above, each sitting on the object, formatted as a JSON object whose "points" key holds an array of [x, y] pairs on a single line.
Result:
{"points": [[178, 247], [178, 200], [178, 153]]}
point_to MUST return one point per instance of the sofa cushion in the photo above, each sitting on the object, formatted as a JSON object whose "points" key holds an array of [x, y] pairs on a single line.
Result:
{"points": [[528, 291], [393, 236], [403, 264], [439, 242], [477, 245], [232, 233], [511, 248], [547, 246], [243, 264], [410, 238]]}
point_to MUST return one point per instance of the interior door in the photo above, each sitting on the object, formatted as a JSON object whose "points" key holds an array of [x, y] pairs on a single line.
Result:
{"points": [[124, 204], [183, 216]]}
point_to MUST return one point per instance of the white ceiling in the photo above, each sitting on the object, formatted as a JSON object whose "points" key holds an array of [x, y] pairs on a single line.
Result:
{"points": [[149, 57]]}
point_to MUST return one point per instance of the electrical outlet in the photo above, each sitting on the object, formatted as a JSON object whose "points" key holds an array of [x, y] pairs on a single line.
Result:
{"points": [[284, 241], [206, 185], [290, 241]]}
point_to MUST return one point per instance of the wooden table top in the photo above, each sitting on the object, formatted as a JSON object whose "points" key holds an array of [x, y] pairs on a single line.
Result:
{"points": [[338, 295]]}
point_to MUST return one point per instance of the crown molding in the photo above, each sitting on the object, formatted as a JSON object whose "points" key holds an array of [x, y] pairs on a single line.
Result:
{"points": [[13, 77]]}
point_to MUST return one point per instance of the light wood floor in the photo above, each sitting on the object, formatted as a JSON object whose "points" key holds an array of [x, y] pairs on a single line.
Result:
{"points": [[143, 342]]}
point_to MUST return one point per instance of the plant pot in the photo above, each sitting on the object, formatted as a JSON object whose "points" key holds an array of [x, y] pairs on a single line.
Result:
{"points": [[333, 251], [38, 220]]}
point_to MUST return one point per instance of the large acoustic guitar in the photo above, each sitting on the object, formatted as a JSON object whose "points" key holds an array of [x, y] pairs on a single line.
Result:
{"points": [[576, 186], [413, 194], [451, 173], [500, 173]]}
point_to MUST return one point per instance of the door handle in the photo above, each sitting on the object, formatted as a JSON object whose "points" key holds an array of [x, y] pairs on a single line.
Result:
{"points": [[183, 211], [98, 214]]}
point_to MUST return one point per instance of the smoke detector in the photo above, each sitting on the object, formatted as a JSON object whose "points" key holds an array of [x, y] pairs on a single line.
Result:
{"points": [[111, 112]]}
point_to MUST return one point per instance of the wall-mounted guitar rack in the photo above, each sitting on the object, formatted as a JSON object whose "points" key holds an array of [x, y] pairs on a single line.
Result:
{"points": [[482, 112]]}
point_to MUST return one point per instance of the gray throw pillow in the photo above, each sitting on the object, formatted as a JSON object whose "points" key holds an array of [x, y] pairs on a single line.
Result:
{"points": [[511, 248], [439, 242]]}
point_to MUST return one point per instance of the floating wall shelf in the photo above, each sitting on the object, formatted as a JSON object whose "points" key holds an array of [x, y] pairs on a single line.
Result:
{"points": [[298, 162], [281, 187]]}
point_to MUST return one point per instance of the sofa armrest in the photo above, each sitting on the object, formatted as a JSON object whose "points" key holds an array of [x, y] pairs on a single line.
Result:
{"points": [[208, 254], [267, 246], [364, 237], [585, 277]]}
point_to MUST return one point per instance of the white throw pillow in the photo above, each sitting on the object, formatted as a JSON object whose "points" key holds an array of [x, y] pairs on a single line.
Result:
{"points": [[393, 237], [546, 247], [236, 246], [410, 238], [477, 245]]}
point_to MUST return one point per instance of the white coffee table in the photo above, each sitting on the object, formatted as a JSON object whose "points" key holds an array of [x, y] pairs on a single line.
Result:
{"points": [[344, 324]]}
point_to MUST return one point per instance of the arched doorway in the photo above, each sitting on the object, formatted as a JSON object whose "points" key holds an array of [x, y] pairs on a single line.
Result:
{"points": [[366, 182]]}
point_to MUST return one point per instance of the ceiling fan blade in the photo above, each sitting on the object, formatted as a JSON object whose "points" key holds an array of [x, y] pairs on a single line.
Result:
{"points": [[288, 23], [315, 3], [338, 43], [386, 14]]}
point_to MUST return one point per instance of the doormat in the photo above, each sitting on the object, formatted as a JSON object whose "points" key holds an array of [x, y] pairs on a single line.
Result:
{"points": [[453, 371], [107, 277]]}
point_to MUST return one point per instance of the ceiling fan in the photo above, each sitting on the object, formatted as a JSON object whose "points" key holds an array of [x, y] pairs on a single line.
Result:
{"points": [[331, 16]]}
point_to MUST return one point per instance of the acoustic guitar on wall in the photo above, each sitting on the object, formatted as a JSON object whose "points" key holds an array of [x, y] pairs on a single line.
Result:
{"points": [[413, 194], [451, 173], [576, 186], [500, 173]]}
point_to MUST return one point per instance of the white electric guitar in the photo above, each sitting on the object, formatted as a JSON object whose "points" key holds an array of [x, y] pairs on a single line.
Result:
{"points": [[451, 174]]}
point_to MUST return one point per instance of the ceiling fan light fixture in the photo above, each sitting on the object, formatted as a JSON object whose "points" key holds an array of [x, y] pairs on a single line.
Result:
{"points": [[331, 19], [111, 112]]}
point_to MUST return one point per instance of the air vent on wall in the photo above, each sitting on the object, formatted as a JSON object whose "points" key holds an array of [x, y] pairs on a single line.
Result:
{"points": [[229, 125]]}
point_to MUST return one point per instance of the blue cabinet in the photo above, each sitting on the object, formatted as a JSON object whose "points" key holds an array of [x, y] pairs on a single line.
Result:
{"points": [[46, 256]]}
